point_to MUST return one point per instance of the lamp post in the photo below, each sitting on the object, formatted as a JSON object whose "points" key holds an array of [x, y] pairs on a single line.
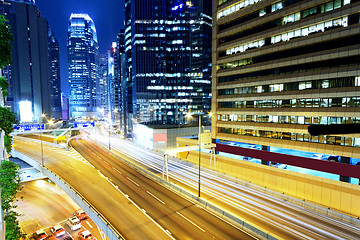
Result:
{"points": [[109, 134], [199, 149], [42, 151], [199, 142]]}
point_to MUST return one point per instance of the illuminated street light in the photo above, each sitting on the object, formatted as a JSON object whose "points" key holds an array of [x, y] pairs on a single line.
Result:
{"points": [[42, 151], [189, 115]]}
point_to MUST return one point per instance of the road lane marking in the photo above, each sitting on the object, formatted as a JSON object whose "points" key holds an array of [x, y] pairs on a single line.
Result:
{"points": [[89, 224], [117, 170], [147, 215], [155, 197], [190, 221], [133, 181]]}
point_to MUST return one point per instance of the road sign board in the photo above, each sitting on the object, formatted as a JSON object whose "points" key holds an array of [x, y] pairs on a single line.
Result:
{"points": [[30, 127], [84, 124]]}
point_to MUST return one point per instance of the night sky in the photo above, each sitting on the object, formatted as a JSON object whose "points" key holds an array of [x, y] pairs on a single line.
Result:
{"points": [[108, 16]]}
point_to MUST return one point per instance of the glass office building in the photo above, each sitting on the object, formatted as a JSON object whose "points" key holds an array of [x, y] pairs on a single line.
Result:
{"points": [[30, 73], [82, 63], [281, 66], [55, 83], [168, 75]]}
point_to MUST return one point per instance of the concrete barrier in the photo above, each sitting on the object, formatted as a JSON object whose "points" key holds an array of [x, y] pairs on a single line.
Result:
{"points": [[84, 204]]}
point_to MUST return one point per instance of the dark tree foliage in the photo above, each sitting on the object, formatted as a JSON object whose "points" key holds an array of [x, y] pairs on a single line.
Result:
{"points": [[5, 39], [7, 119], [4, 86], [10, 186], [7, 142]]}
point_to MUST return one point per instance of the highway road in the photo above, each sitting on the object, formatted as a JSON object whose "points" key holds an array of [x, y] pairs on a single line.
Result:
{"points": [[184, 219], [276, 216], [114, 205], [147, 211], [42, 204]]}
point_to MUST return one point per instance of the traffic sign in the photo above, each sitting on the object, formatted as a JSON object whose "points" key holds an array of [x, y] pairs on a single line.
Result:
{"points": [[84, 124]]}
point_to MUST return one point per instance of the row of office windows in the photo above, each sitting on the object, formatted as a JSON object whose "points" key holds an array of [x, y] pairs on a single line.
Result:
{"points": [[299, 32], [294, 86], [324, 139], [325, 7], [236, 7], [295, 103], [303, 32], [293, 69], [262, 27], [287, 119]]}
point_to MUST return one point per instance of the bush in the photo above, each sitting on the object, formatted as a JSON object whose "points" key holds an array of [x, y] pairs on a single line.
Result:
{"points": [[7, 142], [7, 119]]}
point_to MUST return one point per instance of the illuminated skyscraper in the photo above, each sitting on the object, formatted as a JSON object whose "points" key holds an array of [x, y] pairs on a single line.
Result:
{"points": [[29, 74], [82, 63], [168, 74], [103, 84], [55, 83]]}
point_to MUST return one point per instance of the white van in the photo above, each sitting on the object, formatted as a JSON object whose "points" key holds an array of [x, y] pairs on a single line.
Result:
{"points": [[74, 223]]}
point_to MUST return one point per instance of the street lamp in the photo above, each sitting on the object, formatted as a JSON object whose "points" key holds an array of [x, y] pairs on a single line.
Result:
{"points": [[42, 151], [109, 134], [199, 138]]}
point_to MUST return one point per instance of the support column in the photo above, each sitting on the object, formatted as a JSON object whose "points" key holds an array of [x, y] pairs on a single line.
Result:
{"points": [[216, 141], [347, 161], [265, 148]]}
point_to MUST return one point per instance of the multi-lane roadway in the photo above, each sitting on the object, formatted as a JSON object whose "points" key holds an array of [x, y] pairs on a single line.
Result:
{"points": [[137, 207]]}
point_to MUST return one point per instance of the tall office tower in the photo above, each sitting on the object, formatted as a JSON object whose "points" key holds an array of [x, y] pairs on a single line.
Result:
{"points": [[29, 74], [165, 78], [200, 63], [282, 66], [117, 50], [103, 84], [55, 83], [82, 63]]}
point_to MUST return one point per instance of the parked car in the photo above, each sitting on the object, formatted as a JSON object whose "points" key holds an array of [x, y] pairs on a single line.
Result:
{"points": [[74, 223], [86, 235], [81, 214], [40, 234], [57, 230], [333, 158]]}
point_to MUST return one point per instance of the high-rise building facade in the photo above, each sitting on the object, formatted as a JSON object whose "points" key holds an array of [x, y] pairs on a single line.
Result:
{"points": [[164, 43], [103, 84], [115, 79], [83, 64], [280, 66], [29, 74], [55, 82]]}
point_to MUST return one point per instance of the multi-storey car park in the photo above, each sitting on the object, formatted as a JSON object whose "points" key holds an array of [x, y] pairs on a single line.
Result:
{"points": [[281, 66]]}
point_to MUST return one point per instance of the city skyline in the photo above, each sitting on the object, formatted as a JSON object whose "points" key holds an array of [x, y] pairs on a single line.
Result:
{"points": [[107, 15]]}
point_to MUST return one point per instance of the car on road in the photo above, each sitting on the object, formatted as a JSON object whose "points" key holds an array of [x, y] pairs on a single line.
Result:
{"points": [[81, 214], [74, 223], [40, 234], [86, 235], [57, 230]]}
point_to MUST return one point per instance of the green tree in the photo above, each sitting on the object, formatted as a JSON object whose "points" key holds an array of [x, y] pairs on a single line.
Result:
{"points": [[7, 142], [7, 119], [5, 45], [10, 186]]}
